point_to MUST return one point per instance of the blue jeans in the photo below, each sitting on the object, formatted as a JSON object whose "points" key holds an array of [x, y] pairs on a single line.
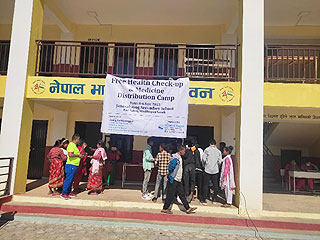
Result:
{"points": [[70, 173]]}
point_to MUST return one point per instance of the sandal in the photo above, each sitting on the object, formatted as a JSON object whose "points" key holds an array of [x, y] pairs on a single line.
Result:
{"points": [[93, 193], [191, 210], [50, 191], [166, 211], [226, 205]]}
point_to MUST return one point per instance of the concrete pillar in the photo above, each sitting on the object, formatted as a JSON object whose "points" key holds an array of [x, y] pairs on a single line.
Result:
{"points": [[18, 111], [251, 38]]}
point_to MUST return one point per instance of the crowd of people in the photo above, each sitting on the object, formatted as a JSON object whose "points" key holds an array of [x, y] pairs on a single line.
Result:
{"points": [[68, 164], [188, 172], [184, 172]]}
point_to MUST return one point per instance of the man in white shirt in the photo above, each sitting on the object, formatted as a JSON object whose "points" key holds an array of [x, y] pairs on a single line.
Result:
{"points": [[212, 158]]}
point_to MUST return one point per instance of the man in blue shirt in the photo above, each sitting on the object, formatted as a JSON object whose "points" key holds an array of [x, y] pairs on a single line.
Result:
{"points": [[174, 183]]}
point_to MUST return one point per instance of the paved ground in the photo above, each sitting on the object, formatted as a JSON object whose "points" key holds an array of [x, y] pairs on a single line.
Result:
{"points": [[37, 228], [34, 230]]}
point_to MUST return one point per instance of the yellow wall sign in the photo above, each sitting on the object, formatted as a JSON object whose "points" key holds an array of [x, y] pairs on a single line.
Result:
{"points": [[2, 85], [284, 114], [207, 93]]}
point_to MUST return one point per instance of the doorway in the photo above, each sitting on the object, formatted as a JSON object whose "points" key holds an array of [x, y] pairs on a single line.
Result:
{"points": [[89, 131], [202, 135], [124, 144], [288, 155], [37, 148]]}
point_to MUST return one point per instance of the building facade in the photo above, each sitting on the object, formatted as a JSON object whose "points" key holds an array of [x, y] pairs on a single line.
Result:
{"points": [[260, 64]]}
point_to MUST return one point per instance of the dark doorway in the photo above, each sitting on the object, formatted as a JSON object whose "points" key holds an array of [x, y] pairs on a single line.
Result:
{"points": [[171, 142], [124, 60], [288, 155], [125, 145], [4, 56], [200, 134], [90, 131], [37, 148]]}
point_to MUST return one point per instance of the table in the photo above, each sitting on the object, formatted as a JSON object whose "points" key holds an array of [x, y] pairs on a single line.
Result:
{"points": [[124, 171], [301, 174]]}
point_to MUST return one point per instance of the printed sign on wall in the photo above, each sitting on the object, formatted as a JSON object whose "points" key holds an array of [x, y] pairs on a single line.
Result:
{"points": [[146, 107], [92, 89]]}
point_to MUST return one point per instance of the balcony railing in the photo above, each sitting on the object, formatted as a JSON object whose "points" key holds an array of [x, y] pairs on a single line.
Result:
{"points": [[4, 56], [161, 61], [292, 63], [6, 165]]}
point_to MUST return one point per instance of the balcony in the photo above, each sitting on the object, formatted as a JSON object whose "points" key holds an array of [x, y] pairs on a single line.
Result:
{"points": [[292, 63], [138, 60], [283, 63]]}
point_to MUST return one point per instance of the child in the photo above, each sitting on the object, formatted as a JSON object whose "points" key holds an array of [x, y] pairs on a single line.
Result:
{"points": [[227, 177]]}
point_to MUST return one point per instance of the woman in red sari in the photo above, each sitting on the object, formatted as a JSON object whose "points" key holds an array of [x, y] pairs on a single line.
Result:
{"points": [[82, 169], [113, 155], [293, 166], [56, 158], [95, 178]]}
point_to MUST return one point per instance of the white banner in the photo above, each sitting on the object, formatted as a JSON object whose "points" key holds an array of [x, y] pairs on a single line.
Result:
{"points": [[146, 107]]}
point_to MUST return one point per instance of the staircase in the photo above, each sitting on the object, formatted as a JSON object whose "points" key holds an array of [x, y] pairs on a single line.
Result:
{"points": [[271, 179]]}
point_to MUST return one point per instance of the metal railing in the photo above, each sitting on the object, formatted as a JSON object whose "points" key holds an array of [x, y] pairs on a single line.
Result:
{"points": [[283, 63], [292, 63], [139, 60], [6, 165], [4, 56]]}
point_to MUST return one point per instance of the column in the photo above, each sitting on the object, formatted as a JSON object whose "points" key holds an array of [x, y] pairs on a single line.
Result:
{"points": [[18, 111], [251, 68]]}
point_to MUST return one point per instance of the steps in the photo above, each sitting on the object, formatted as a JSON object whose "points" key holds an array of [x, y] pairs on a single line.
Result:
{"points": [[153, 216], [271, 184]]}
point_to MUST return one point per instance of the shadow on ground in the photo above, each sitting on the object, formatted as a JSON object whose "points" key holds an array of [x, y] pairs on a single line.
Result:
{"points": [[35, 184], [6, 217]]}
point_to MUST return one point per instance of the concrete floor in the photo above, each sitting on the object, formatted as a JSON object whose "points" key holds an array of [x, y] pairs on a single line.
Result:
{"points": [[289, 202], [130, 193], [286, 202]]}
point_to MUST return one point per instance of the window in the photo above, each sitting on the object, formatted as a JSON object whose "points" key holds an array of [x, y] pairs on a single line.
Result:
{"points": [[94, 59], [166, 60], [124, 63]]}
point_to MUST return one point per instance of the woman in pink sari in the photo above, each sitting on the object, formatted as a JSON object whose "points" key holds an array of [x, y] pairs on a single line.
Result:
{"points": [[227, 176], [95, 178]]}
